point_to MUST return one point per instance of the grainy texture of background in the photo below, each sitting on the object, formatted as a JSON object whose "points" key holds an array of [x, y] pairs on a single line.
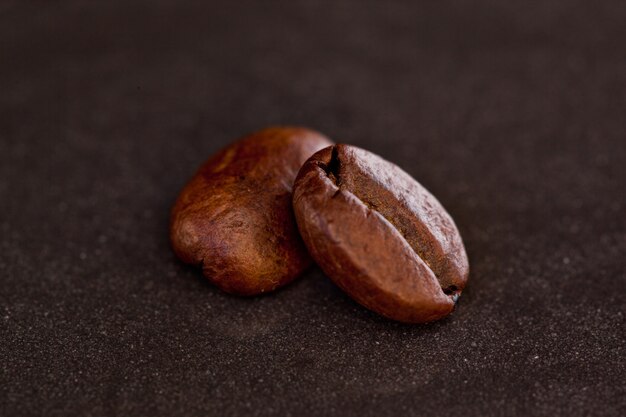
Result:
{"points": [[512, 113]]}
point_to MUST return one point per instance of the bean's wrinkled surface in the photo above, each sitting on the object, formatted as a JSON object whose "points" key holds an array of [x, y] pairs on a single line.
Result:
{"points": [[379, 235], [235, 219]]}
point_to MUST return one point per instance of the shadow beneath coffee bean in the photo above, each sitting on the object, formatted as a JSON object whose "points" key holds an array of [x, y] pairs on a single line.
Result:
{"points": [[311, 300]]}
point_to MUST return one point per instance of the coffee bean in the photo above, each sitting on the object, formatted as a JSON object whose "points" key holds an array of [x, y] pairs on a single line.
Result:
{"points": [[235, 219], [379, 235]]}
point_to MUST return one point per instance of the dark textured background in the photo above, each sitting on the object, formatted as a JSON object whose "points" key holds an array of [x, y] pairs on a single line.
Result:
{"points": [[512, 113]]}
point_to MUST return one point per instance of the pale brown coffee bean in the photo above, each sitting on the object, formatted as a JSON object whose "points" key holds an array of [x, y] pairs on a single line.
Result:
{"points": [[379, 235]]}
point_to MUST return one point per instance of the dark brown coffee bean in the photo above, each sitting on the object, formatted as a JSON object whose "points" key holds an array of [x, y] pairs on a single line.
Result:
{"points": [[235, 219], [379, 235]]}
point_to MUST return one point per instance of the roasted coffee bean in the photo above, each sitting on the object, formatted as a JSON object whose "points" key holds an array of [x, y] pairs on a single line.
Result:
{"points": [[379, 235], [235, 219]]}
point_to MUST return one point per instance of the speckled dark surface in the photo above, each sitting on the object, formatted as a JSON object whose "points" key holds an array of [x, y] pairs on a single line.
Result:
{"points": [[513, 114]]}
